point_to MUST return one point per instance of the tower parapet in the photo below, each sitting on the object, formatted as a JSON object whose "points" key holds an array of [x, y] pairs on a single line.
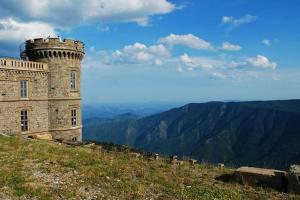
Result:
{"points": [[54, 48]]}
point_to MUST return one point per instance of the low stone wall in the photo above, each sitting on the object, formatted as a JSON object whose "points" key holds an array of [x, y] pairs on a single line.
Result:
{"points": [[279, 180], [261, 177]]}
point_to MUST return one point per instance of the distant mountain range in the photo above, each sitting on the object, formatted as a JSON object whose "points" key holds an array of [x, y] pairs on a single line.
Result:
{"points": [[115, 109], [257, 133]]}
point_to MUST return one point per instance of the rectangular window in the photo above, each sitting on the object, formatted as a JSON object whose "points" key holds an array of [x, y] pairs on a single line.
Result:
{"points": [[24, 120], [24, 88], [74, 117], [73, 80]]}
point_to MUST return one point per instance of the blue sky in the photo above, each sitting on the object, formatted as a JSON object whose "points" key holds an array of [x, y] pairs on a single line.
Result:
{"points": [[167, 50]]}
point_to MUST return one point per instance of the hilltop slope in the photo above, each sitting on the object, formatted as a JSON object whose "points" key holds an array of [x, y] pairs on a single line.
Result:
{"points": [[42, 170], [260, 133]]}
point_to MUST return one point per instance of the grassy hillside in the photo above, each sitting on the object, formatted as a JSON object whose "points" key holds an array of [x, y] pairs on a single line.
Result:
{"points": [[41, 170], [259, 133]]}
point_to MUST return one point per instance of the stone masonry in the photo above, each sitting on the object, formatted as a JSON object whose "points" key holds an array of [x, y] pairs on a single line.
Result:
{"points": [[51, 69]]}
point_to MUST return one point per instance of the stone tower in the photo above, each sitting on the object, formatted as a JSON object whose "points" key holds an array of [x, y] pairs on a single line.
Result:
{"points": [[64, 97]]}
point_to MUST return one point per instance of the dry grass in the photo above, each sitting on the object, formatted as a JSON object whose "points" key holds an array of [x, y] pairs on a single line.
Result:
{"points": [[41, 170]]}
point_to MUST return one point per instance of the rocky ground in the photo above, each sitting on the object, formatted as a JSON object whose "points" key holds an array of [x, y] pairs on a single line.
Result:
{"points": [[45, 170]]}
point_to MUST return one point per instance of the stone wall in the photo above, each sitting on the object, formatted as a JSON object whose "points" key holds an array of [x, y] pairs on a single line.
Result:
{"points": [[11, 104], [10, 84], [60, 114], [59, 77], [50, 96], [62, 58], [10, 117]]}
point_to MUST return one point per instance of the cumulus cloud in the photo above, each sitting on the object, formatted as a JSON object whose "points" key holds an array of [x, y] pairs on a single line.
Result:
{"points": [[230, 47], [199, 62], [141, 52], [188, 40], [12, 30], [136, 53], [66, 13], [266, 42], [262, 61], [159, 55]]}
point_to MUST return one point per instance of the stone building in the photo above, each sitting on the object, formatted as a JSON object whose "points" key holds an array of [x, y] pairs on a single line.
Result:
{"points": [[40, 93]]}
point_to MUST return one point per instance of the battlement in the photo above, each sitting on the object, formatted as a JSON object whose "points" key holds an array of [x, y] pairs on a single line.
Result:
{"points": [[55, 43], [9, 63]]}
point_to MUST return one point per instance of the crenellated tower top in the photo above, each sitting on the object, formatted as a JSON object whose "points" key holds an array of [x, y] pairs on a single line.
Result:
{"points": [[53, 48]]}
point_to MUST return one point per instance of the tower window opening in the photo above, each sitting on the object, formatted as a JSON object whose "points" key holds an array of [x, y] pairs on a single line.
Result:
{"points": [[24, 88], [74, 117], [73, 80], [24, 120]]}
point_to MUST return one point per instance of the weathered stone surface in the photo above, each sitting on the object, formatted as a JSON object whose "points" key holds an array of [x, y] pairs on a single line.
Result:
{"points": [[192, 161], [50, 96], [221, 165], [294, 179], [45, 136], [261, 177], [173, 159]]}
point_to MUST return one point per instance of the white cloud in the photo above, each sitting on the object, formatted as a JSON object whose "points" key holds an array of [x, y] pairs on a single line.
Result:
{"points": [[262, 61], [186, 40], [66, 13], [230, 20], [216, 67], [137, 53], [199, 62], [230, 47], [266, 42], [218, 75], [12, 30], [91, 62], [145, 52], [158, 62]]}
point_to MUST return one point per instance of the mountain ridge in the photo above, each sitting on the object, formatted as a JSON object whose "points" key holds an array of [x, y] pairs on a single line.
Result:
{"points": [[256, 133]]}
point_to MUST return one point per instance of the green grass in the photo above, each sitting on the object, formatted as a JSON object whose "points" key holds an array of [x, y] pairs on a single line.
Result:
{"points": [[43, 170]]}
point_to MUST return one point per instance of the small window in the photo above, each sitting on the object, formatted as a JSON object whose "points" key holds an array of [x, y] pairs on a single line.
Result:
{"points": [[24, 88], [24, 120], [74, 117], [73, 80]]}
